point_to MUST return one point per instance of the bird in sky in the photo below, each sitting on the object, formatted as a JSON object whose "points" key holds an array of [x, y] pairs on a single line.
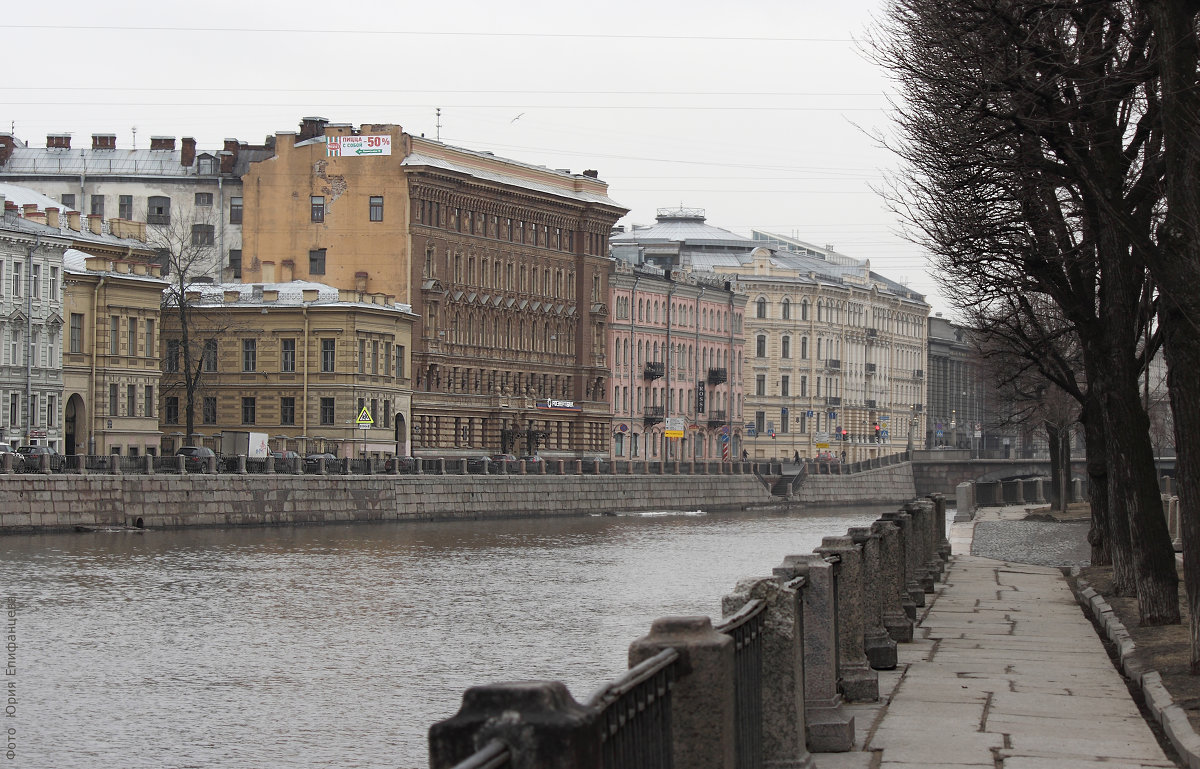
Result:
{"points": [[518, 117]]}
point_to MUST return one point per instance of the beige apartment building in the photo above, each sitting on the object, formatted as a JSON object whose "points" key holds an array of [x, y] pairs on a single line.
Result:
{"points": [[315, 367], [504, 265]]}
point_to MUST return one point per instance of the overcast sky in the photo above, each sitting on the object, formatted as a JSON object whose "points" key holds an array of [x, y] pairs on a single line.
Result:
{"points": [[763, 114]]}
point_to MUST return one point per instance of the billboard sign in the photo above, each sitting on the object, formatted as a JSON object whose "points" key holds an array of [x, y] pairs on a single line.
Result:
{"points": [[674, 427], [366, 144]]}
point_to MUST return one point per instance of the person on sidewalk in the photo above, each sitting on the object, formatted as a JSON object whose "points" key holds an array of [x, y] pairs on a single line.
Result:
{"points": [[795, 457]]}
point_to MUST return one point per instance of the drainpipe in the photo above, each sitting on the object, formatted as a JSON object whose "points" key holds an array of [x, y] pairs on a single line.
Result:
{"points": [[37, 243], [95, 399], [304, 408], [220, 262]]}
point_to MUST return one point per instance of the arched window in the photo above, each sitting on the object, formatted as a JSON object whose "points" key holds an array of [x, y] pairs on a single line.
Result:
{"points": [[804, 310], [804, 348], [785, 350], [785, 310], [761, 308]]}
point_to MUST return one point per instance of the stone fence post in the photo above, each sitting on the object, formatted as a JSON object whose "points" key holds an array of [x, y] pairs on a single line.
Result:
{"points": [[909, 558], [877, 644], [702, 701], [830, 727], [898, 609], [858, 681], [783, 730], [540, 722], [943, 544]]}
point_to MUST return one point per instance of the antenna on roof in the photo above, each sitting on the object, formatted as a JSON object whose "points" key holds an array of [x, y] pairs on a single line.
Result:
{"points": [[438, 123], [135, 137]]}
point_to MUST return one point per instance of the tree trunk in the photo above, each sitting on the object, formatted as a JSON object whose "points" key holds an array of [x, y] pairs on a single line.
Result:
{"points": [[1176, 268], [1053, 439], [1100, 536]]}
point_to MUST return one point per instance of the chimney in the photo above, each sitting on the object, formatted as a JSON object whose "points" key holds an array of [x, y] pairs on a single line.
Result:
{"points": [[104, 141], [139, 268], [162, 143], [227, 159], [194, 296], [360, 282], [52, 216], [58, 141], [8, 143], [120, 265], [95, 222], [268, 272], [310, 294], [73, 220], [232, 296], [187, 152], [591, 174], [310, 127], [270, 295], [287, 271]]}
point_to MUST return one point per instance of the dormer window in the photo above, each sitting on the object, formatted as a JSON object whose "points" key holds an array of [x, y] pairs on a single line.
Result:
{"points": [[206, 165]]}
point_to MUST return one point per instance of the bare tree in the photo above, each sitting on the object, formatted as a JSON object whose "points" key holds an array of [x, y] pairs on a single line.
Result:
{"points": [[1029, 136]]}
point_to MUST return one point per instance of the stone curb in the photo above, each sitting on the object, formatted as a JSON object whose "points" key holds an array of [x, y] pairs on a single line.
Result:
{"points": [[1170, 716]]}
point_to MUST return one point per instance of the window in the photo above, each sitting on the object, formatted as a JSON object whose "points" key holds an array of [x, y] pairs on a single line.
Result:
{"points": [[785, 349], [204, 198], [68, 202], [207, 165], [171, 411], [760, 422], [131, 400], [16, 279], [150, 346], [76, 332], [376, 208], [247, 411], [760, 346], [125, 206], [327, 411], [328, 359], [53, 295], [317, 208], [209, 361], [158, 210], [761, 308], [783, 420], [399, 361], [785, 386], [114, 335], [35, 277], [148, 400], [203, 235], [362, 356], [287, 355], [112, 400], [131, 338], [209, 410], [287, 411], [316, 261], [50, 410], [235, 209], [171, 362], [374, 357], [249, 355], [97, 205], [235, 263], [785, 311], [760, 384]]}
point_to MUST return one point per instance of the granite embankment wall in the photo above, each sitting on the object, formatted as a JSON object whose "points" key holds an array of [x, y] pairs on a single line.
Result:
{"points": [[884, 485], [39, 502]]}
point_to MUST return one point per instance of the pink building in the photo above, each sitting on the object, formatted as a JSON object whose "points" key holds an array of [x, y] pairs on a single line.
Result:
{"points": [[675, 341]]}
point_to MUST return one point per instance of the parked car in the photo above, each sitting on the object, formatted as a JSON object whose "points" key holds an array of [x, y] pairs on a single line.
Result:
{"points": [[285, 459], [32, 456], [18, 461], [312, 460], [504, 457], [532, 459], [196, 458], [477, 464], [825, 456]]}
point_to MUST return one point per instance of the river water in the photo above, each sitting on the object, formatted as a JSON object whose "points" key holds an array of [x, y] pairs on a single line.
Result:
{"points": [[340, 645]]}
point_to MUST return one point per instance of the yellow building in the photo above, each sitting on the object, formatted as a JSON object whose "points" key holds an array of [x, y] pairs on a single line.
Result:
{"points": [[504, 264], [314, 367]]}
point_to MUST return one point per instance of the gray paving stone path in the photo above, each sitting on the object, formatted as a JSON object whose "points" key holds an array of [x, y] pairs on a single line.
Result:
{"points": [[1005, 672]]}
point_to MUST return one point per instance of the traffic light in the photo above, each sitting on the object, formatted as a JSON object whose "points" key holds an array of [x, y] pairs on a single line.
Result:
{"points": [[876, 426], [845, 434]]}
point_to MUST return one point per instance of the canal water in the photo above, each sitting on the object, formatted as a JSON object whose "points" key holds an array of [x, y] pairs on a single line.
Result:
{"points": [[340, 645]]}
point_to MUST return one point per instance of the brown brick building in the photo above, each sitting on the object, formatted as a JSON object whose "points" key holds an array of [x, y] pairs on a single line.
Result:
{"points": [[505, 265]]}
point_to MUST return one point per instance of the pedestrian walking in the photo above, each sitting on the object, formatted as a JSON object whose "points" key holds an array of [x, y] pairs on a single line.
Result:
{"points": [[795, 457]]}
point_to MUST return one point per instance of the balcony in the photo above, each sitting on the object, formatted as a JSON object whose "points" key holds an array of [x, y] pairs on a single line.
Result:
{"points": [[872, 333], [652, 415], [834, 364], [870, 404], [717, 376], [871, 368], [716, 418], [918, 374], [833, 400], [654, 370]]}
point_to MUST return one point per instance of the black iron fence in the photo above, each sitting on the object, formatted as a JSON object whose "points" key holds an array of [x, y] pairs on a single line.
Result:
{"points": [[635, 715], [745, 628]]}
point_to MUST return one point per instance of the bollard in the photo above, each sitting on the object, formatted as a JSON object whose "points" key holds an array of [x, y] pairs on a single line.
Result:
{"points": [[921, 541], [942, 543], [270, 464], [702, 701], [877, 644], [148, 464], [909, 559], [578, 468], [898, 609], [539, 721], [783, 729], [6, 460], [830, 728], [241, 464], [521, 468], [859, 683]]}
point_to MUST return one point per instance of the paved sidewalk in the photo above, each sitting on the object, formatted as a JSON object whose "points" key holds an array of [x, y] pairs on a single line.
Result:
{"points": [[1006, 672]]}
